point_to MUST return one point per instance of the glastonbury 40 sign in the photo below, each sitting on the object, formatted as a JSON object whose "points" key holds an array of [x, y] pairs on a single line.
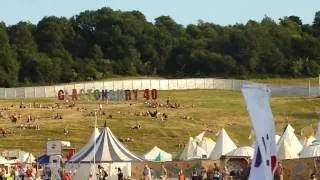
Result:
{"points": [[116, 95]]}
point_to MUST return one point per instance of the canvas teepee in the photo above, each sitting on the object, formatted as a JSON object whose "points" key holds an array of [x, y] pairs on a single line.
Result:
{"points": [[291, 139], [207, 144], [285, 152], [188, 150], [224, 144], [157, 154]]}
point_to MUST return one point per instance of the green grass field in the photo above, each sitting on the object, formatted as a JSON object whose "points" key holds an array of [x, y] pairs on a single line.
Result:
{"points": [[213, 109]]}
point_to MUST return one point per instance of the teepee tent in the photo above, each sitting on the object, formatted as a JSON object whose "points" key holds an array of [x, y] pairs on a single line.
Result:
{"points": [[285, 152], [188, 150], [244, 151], [224, 144], [199, 137], [291, 139], [157, 154], [207, 144], [310, 151], [199, 153], [277, 138], [108, 152]]}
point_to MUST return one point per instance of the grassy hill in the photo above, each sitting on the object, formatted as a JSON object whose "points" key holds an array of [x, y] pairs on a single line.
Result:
{"points": [[210, 109]]}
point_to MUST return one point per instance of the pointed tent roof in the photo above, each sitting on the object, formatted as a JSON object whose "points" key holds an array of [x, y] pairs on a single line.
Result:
{"points": [[199, 153], [291, 139], [310, 151], [107, 149], [155, 153], [188, 150], [245, 151], [199, 137], [91, 141], [285, 152], [207, 144], [223, 145], [277, 138]]}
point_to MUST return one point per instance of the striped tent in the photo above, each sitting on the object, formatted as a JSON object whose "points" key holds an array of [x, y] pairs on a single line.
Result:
{"points": [[108, 152]]}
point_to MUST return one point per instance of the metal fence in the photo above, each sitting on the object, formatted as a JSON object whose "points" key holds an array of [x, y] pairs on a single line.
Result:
{"points": [[159, 84]]}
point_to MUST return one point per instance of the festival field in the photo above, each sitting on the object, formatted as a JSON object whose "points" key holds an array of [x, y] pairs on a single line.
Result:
{"points": [[203, 110]]}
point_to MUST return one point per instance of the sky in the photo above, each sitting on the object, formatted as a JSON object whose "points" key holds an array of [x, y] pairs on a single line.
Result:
{"points": [[223, 12]]}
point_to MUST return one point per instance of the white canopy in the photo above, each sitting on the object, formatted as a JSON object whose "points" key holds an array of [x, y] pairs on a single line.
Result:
{"points": [[310, 151], [19, 156], [291, 139], [3, 160], [285, 152], [26, 158], [188, 150], [207, 144], [245, 151], [223, 146], [157, 154], [307, 141]]}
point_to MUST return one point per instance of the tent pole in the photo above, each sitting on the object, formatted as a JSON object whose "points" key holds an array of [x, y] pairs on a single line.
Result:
{"points": [[94, 148]]}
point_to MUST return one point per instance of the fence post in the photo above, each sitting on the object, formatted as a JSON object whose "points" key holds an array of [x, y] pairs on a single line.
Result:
{"points": [[132, 84], [45, 91], [5, 93], [319, 86], [113, 84], [309, 88], [35, 91], [213, 84]]}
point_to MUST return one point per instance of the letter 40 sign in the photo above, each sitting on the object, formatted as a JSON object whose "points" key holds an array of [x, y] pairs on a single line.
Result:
{"points": [[103, 95]]}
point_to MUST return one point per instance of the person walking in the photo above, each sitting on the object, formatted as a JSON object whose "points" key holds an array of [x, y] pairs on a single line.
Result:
{"points": [[163, 172], [181, 175]]}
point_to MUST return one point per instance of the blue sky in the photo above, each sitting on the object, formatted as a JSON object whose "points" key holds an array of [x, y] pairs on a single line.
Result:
{"points": [[221, 12]]}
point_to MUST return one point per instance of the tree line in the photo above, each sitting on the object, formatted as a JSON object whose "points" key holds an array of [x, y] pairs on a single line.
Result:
{"points": [[98, 44]]}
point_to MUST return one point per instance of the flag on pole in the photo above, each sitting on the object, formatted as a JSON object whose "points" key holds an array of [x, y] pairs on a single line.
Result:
{"points": [[257, 99]]}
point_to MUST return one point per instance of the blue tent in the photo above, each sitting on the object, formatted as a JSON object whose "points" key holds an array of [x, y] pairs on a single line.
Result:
{"points": [[44, 159]]}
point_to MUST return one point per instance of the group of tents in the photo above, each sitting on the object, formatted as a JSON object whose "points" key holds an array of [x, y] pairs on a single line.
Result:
{"points": [[106, 150], [16, 156]]}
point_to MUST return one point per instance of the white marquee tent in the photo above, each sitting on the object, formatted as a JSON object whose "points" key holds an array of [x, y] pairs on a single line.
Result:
{"points": [[108, 152], [244, 151], [157, 154], [224, 144], [307, 141], [291, 139], [310, 151], [207, 144], [277, 138], [19, 156]]}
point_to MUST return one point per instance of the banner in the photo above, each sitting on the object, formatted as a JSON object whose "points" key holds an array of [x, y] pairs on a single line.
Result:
{"points": [[264, 161]]}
